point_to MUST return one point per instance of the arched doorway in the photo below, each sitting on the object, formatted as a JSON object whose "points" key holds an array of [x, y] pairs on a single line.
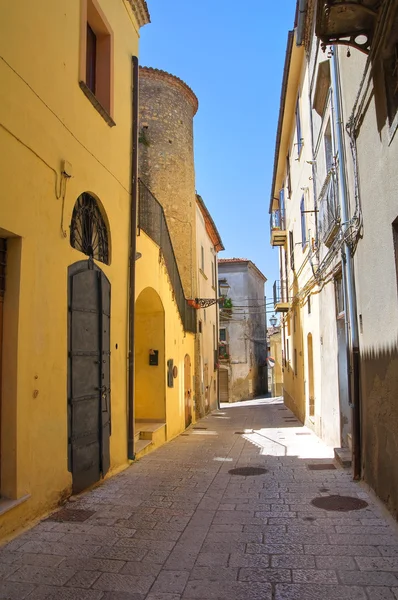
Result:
{"points": [[150, 362], [89, 413], [187, 390], [89, 320], [311, 388]]}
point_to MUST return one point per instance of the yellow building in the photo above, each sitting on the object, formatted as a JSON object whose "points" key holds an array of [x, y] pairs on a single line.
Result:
{"points": [[65, 142]]}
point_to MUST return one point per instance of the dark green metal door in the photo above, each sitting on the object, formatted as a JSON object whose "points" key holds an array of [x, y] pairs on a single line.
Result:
{"points": [[89, 426]]}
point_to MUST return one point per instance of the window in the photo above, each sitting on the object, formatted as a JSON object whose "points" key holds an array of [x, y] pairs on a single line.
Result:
{"points": [[309, 305], [291, 247], [214, 337], [287, 354], [339, 296], [204, 314], [202, 258], [298, 127], [200, 326], [395, 241], [223, 334], [327, 140], [289, 181], [295, 362], [88, 231], [96, 60], [282, 208], [303, 224], [212, 275]]}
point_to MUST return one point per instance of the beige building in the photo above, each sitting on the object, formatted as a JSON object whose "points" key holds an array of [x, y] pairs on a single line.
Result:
{"points": [[208, 244]]}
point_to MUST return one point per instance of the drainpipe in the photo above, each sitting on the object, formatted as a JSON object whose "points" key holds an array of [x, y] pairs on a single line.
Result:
{"points": [[349, 280], [217, 327], [133, 247]]}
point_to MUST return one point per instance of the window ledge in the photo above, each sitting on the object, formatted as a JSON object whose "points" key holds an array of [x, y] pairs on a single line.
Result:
{"points": [[6, 504], [97, 105]]}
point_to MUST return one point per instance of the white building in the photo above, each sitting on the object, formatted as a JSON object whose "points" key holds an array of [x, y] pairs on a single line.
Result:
{"points": [[242, 336], [208, 244]]}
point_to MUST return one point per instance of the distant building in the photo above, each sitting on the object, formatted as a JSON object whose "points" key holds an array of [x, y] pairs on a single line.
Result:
{"points": [[242, 334], [275, 373]]}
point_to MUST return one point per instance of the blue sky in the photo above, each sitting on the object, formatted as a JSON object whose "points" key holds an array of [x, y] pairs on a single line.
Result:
{"points": [[231, 54]]}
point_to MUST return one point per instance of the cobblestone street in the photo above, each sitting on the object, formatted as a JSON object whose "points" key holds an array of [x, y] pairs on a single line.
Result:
{"points": [[177, 524]]}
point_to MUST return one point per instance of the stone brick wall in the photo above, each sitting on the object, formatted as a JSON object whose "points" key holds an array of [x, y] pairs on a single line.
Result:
{"points": [[166, 161]]}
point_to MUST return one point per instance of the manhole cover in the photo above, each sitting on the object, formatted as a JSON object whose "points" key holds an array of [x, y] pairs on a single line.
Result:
{"points": [[67, 515], [339, 503], [322, 467], [248, 471]]}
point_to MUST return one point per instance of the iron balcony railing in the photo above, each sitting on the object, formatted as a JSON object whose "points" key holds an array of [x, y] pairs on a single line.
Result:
{"points": [[280, 292], [329, 209], [278, 219], [152, 220]]}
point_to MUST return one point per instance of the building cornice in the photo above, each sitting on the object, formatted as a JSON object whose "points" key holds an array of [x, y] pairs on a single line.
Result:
{"points": [[173, 81], [210, 225], [141, 12]]}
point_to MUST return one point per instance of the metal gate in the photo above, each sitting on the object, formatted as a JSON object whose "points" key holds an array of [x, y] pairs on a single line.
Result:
{"points": [[89, 426], [223, 383]]}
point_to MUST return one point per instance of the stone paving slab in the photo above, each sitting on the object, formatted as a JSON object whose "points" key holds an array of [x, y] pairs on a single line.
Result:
{"points": [[178, 526]]}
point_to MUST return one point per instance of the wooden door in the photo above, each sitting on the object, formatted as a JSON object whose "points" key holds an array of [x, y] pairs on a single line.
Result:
{"points": [[88, 374], [187, 391]]}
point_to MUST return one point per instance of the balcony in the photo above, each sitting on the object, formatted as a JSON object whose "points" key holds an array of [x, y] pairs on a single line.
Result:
{"points": [[278, 228], [347, 22], [281, 297], [223, 351], [329, 209]]}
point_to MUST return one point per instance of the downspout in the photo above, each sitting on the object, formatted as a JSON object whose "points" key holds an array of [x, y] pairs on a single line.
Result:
{"points": [[217, 327], [348, 274], [133, 248]]}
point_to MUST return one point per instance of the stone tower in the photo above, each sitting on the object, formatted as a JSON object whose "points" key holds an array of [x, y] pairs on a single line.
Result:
{"points": [[166, 162]]}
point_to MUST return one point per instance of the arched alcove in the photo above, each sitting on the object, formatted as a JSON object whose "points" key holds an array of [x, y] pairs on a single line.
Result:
{"points": [[150, 369]]}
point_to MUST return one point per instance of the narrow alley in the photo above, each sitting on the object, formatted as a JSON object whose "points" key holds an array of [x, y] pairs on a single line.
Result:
{"points": [[180, 523]]}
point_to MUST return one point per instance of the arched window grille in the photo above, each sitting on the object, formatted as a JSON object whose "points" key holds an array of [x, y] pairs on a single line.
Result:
{"points": [[88, 231]]}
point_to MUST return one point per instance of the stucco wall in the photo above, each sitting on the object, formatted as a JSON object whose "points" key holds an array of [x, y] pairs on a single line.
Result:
{"points": [[206, 374], [42, 124], [376, 285]]}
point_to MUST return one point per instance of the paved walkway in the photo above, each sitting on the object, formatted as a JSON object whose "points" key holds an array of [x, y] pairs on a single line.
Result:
{"points": [[177, 525]]}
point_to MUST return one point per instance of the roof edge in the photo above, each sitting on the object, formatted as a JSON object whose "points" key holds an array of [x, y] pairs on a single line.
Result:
{"points": [[153, 73], [285, 78], [141, 12], [224, 261], [210, 225]]}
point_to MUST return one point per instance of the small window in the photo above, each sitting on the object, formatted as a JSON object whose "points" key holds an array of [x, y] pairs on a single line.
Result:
{"points": [[212, 274], [204, 315], [291, 247], [214, 338], [202, 258], [303, 224], [96, 61], [327, 140], [309, 305], [223, 334], [298, 127], [295, 362], [287, 354], [395, 241], [200, 326], [289, 181], [339, 296]]}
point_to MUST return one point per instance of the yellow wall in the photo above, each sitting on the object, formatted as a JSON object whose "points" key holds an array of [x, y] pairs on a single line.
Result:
{"points": [[149, 395], [44, 118], [152, 273]]}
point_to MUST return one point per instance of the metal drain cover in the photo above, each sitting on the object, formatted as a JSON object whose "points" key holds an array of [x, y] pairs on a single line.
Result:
{"points": [[322, 467], [339, 503], [67, 515], [248, 471]]}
